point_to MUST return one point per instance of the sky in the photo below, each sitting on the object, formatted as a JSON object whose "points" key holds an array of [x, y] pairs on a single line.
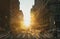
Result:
{"points": [[26, 5]]}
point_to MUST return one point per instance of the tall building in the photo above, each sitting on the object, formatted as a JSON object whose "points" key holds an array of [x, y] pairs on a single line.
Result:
{"points": [[16, 16], [4, 13], [40, 12], [44, 16], [4, 18], [14, 7], [54, 6], [9, 17]]}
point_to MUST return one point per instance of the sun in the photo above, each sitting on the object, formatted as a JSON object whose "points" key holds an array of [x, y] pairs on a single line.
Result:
{"points": [[25, 6], [27, 20]]}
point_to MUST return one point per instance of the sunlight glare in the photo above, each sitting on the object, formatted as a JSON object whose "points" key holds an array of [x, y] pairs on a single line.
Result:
{"points": [[25, 6], [27, 19]]}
